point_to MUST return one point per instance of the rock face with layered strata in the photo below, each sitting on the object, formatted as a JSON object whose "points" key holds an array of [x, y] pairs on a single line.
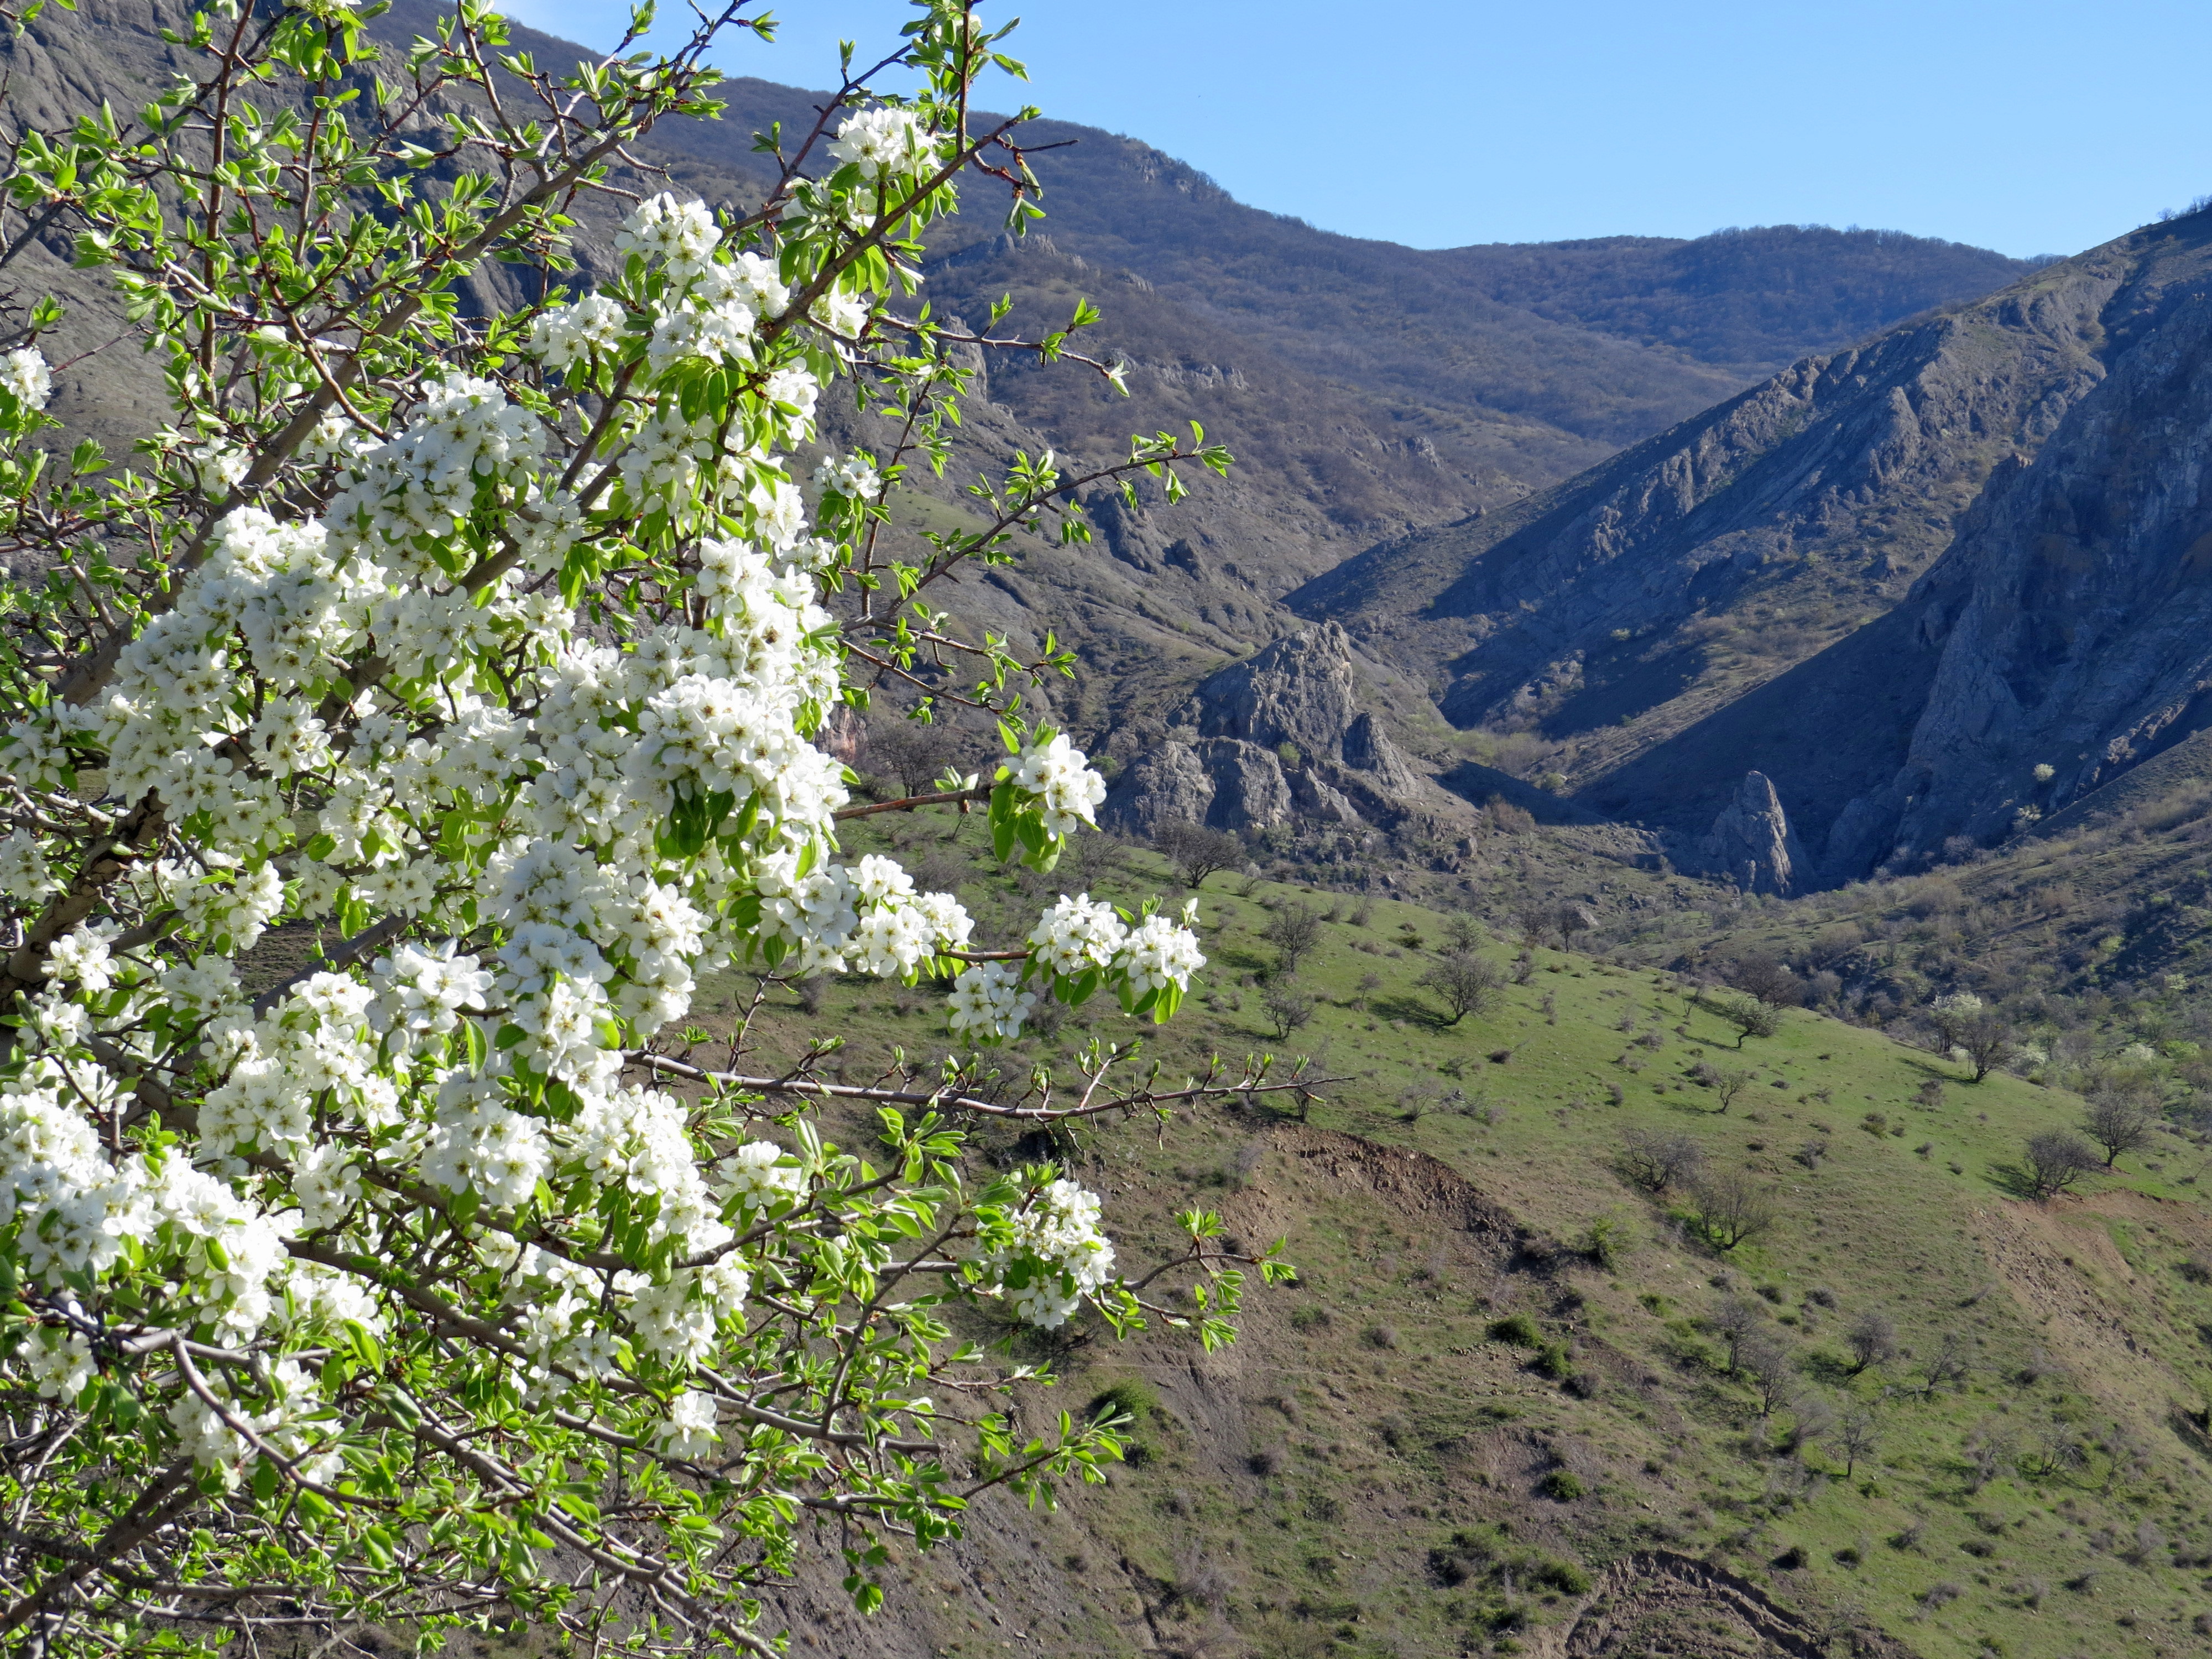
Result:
{"points": [[1277, 739]]}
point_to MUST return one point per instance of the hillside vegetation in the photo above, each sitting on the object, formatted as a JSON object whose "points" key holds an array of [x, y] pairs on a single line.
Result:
{"points": [[1505, 1372]]}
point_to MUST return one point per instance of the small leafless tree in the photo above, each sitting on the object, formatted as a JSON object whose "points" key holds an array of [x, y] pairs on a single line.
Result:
{"points": [[1735, 1321], [2119, 1121], [2057, 1449], [1195, 850], [1294, 930], [1985, 1038], [1811, 1419], [1730, 1208], [1858, 1438], [2056, 1160], [913, 752], [2146, 1546], [1989, 1451], [1760, 975], [1947, 1367], [1872, 1339], [1287, 1006], [1463, 933], [1727, 1082], [1658, 1162], [1768, 1365], [1572, 919], [1467, 982]]}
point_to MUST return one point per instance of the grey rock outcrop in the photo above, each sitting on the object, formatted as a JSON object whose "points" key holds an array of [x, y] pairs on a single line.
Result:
{"points": [[1751, 842], [1276, 739]]}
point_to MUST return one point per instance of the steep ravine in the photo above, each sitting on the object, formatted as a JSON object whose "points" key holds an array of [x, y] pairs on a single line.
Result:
{"points": [[1895, 580]]}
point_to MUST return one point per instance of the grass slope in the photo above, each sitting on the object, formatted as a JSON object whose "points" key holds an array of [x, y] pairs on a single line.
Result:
{"points": [[1372, 1471]]}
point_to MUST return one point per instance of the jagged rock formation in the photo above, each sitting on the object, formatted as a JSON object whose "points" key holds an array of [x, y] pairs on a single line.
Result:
{"points": [[1896, 579], [1752, 844], [1276, 739]]}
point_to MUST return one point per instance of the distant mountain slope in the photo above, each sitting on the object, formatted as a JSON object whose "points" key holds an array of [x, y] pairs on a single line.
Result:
{"points": [[1369, 389], [1750, 301], [1740, 592], [1605, 340]]}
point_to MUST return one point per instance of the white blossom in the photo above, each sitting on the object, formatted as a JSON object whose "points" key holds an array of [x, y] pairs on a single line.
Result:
{"points": [[883, 141], [24, 375]]}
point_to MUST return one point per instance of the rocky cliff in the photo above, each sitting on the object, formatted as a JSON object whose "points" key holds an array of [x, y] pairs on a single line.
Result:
{"points": [[1894, 580], [1277, 739]]}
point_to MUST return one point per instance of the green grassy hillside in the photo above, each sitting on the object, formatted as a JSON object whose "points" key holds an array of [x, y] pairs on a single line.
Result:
{"points": [[1497, 1413]]}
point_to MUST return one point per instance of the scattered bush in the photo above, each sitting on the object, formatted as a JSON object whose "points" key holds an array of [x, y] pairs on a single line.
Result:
{"points": [[1288, 1008], [1606, 1242], [1467, 983], [1562, 1485], [1554, 1361], [2055, 1161], [1729, 1208], [1750, 1016], [1196, 851], [2118, 1122], [1761, 976], [1294, 930], [1516, 1329], [1872, 1339], [1658, 1162], [1132, 1398]]}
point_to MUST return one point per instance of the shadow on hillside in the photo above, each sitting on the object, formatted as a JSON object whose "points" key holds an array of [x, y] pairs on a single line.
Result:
{"points": [[1412, 1011], [1481, 785], [1831, 1369], [2012, 1179]]}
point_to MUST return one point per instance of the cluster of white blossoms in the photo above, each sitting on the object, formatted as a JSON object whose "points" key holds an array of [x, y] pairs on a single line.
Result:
{"points": [[988, 1000], [883, 141], [853, 477], [1062, 777], [569, 334], [392, 714], [25, 377], [1058, 1255]]}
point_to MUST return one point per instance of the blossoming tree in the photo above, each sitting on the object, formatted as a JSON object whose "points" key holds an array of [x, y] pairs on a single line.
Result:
{"points": [[488, 653]]}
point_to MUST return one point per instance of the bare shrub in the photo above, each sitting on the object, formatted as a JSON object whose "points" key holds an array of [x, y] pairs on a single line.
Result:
{"points": [[2119, 1121], [1196, 851], [1858, 1439], [1760, 975], [1872, 1339], [1727, 1082], [1294, 930], [1287, 1006], [1463, 933], [1767, 1364], [914, 753], [1736, 1320], [1466, 982], [1729, 1208], [2055, 1161], [1658, 1162]]}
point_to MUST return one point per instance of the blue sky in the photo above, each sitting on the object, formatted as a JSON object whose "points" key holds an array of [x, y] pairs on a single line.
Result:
{"points": [[2032, 126]]}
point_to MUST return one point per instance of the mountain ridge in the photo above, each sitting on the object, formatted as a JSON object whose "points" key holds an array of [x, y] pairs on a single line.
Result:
{"points": [[1792, 562]]}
